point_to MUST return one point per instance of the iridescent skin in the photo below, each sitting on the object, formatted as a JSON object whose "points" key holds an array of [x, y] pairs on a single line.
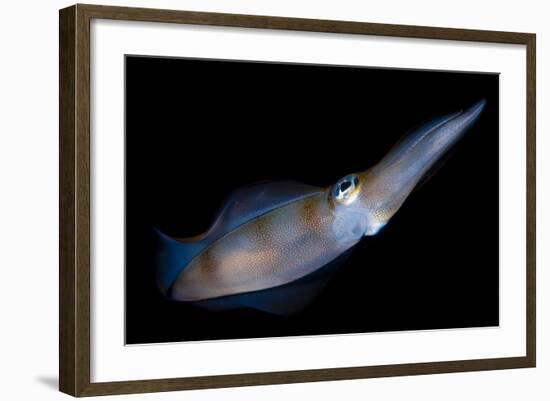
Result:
{"points": [[298, 238]]}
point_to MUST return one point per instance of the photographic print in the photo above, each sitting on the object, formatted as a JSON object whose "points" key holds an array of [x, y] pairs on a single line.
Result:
{"points": [[269, 199], [257, 200]]}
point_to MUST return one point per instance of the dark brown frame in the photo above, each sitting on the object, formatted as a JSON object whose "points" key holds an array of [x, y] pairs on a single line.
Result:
{"points": [[74, 175]]}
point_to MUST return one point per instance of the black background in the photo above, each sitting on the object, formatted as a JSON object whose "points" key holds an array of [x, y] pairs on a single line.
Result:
{"points": [[197, 129]]}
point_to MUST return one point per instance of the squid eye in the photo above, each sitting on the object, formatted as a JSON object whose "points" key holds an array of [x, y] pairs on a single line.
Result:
{"points": [[345, 191]]}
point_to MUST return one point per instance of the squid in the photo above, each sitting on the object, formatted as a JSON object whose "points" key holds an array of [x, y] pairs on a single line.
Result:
{"points": [[273, 246]]}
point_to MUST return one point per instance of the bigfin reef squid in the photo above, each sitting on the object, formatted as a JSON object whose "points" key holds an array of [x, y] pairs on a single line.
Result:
{"points": [[274, 245]]}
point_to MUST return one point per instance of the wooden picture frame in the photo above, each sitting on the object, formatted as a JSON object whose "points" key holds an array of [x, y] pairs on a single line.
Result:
{"points": [[74, 295]]}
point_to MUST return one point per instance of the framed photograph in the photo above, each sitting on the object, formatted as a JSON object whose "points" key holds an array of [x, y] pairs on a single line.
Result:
{"points": [[251, 200]]}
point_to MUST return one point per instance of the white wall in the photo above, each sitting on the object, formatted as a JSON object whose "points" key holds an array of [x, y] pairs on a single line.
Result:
{"points": [[29, 186]]}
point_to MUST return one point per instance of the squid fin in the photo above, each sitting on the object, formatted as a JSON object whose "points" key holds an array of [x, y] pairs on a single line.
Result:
{"points": [[285, 300], [247, 203]]}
